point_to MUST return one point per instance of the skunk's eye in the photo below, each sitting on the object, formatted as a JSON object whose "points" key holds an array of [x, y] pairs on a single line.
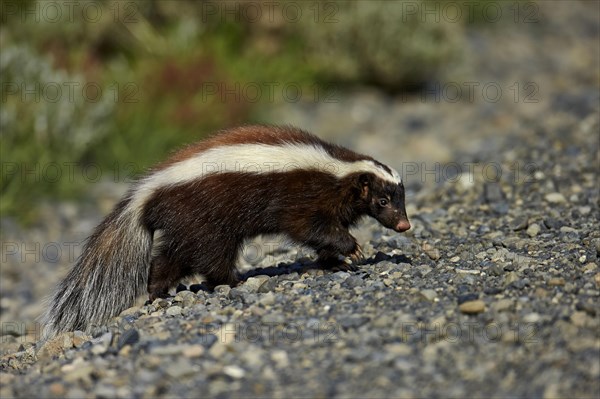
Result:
{"points": [[383, 201]]}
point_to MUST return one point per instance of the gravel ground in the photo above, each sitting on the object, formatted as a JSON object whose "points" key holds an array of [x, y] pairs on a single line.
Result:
{"points": [[493, 292]]}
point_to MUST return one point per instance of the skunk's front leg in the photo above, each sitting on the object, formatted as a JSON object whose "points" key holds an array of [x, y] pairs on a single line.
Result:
{"points": [[340, 243]]}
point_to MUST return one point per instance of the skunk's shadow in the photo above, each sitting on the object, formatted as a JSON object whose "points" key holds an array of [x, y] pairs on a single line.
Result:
{"points": [[289, 268], [297, 267]]}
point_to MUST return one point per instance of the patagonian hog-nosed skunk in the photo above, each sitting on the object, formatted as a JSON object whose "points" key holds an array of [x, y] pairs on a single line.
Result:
{"points": [[207, 199]]}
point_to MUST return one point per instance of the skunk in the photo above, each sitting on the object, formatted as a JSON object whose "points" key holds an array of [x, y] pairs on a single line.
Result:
{"points": [[206, 200]]}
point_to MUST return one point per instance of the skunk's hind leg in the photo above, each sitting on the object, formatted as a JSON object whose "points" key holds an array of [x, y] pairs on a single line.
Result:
{"points": [[164, 275]]}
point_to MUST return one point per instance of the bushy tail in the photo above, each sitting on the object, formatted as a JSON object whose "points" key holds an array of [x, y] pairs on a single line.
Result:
{"points": [[107, 278]]}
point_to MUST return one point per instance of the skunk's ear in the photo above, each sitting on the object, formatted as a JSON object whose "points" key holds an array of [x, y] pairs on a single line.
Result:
{"points": [[364, 183], [364, 179]]}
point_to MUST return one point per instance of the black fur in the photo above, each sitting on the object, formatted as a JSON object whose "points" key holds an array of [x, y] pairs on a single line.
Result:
{"points": [[204, 223]]}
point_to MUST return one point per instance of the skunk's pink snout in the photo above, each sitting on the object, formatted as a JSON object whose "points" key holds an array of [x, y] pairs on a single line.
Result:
{"points": [[402, 225]]}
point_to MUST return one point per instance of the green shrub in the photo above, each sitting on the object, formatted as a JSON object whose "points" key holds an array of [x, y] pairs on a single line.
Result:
{"points": [[379, 43], [47, 123]]}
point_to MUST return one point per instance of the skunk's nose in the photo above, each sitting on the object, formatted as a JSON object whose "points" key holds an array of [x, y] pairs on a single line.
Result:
{"points": [[402, 225]]}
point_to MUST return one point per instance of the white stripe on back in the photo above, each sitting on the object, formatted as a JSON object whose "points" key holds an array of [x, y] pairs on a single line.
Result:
{"points": [[254, 158]]}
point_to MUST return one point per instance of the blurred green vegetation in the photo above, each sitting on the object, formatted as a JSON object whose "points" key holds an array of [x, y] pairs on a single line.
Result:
{"points": [[108, 81]]}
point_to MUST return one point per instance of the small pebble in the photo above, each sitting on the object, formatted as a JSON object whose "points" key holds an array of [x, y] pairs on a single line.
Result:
{"points": [[472, 307], [431, 251], [130, 337], [193, 351], [174, 311], [234, 372], [556, 282], [555, 198], [467, 298], [57, 389], [533, 230], [428, 294], [520, 223]]}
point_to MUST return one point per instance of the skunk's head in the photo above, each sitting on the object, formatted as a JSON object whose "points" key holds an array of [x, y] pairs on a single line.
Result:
{"points": [[385, 201]]}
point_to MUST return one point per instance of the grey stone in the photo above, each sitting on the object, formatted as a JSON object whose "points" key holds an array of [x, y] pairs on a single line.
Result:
{"points": [[555, 198], [428, 294], [353, 281], [520, 223], [181, 367], [253, 283], [129, 337], [174, 311], [533, 230]]}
